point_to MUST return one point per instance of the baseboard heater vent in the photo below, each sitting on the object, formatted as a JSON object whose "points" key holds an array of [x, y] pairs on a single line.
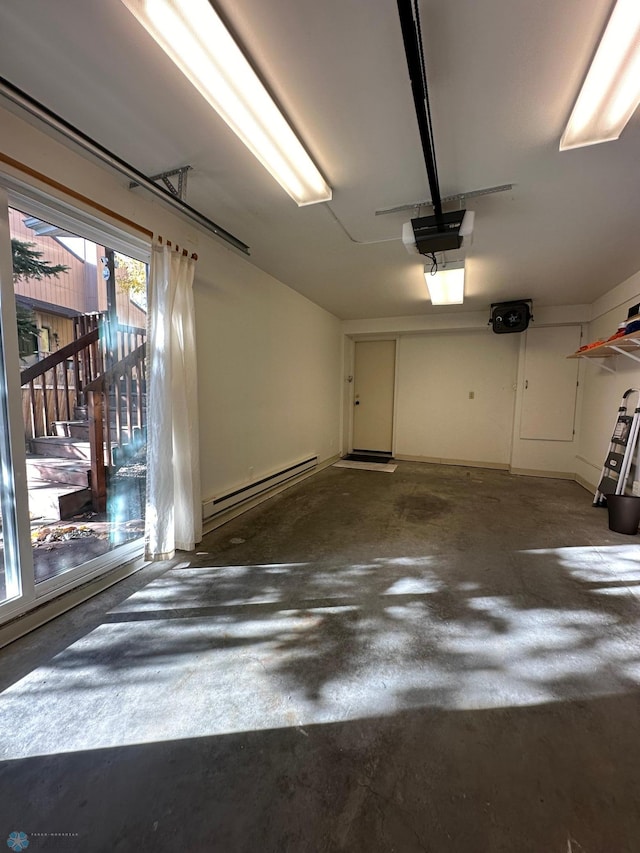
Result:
{"points": [[214, 506]]}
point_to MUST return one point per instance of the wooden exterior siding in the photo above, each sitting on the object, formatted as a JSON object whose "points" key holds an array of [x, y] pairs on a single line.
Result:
{"points": [[69, 289], [81, 289]]}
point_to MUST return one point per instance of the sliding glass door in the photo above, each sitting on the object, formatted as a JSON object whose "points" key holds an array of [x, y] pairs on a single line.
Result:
{"points": [[16, 572], [10, 575], [73, 413]]}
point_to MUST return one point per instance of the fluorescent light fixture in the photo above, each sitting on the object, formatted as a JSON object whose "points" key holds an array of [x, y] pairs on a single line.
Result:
{"points": [[446, 286], [195, 38], [611, 90]]}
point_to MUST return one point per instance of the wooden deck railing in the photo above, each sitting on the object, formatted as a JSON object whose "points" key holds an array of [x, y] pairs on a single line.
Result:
{"points": [[83, 373], [55, 384], [116, 402], [54, 387]]}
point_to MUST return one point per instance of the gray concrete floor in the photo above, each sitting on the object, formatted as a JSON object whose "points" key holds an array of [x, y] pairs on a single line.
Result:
{"points": [[441, 659]]}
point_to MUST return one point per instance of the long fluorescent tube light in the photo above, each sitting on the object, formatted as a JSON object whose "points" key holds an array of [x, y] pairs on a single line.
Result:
{"points": [[611, 90], [446, 286], [195, 38]]}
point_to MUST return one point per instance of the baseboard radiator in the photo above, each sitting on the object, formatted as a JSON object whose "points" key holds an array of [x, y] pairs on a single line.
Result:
{"points": [[229, 500]]}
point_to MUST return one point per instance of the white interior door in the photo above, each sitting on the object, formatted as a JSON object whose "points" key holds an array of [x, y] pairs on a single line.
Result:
{"points": [[374, 381], [550, 383]]}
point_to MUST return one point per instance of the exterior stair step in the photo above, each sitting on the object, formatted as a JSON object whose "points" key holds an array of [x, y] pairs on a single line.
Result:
{"points": [[61, 446], [55, 469], [56, 501], [71, 503], [72, 429], [80, 430]]}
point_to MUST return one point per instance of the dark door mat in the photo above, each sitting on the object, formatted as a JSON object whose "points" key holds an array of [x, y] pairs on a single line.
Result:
{"points": [[383, 458]]}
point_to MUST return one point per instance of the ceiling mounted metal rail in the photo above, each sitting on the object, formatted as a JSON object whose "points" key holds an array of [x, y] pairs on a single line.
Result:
{"points": [[410, 24], [461, 197], [55, 122]]}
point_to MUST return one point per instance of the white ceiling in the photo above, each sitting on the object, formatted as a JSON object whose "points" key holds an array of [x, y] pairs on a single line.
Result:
{"points": [[503, 75]]}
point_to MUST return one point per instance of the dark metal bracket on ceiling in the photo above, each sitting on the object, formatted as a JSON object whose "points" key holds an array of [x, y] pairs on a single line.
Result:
{"points": [[82, 140], [180, 191]]}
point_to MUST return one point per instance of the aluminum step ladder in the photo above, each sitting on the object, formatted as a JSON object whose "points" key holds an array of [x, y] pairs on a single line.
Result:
{"points": [[624, 441]]}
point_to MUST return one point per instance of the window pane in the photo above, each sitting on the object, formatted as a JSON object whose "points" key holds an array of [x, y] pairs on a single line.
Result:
{"points": [[81, 315]]}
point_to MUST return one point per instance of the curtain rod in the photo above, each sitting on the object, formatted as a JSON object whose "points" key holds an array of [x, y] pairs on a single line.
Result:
{"points": [[194, 257], [35, 108]]}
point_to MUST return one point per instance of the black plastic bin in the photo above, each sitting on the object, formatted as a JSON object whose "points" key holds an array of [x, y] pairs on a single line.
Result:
{"points": [[624, 513]]}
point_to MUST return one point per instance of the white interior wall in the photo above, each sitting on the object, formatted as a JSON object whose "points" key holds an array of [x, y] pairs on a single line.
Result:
{"points": [[268, 359], [602, 391], [445, 321], [460, 350], [436, 418], [269, 376]]}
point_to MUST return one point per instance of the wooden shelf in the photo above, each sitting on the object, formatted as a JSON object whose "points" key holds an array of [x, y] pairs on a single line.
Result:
{"points": [[626, 345]]}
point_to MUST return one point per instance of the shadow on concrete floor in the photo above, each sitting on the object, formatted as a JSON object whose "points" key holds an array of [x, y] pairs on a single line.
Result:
{"points": [[487, 781], [434, 662]]}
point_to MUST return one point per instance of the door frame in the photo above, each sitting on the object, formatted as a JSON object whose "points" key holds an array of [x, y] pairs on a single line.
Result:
{"points": [[16, 527], [349, 352]]}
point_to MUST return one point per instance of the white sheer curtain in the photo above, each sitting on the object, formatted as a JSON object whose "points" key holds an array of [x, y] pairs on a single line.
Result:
{"points": [[174, 512]]}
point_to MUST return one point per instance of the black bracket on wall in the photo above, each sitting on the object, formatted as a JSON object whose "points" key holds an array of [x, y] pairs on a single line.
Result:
{"points": [[513, 316]]}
